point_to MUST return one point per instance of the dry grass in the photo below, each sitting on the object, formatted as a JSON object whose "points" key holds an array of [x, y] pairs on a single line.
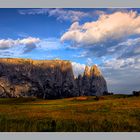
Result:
{"points": [[110, 113]]}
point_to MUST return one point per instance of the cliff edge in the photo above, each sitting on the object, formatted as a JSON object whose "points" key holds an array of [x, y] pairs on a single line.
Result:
{"points": [[47, 79]]}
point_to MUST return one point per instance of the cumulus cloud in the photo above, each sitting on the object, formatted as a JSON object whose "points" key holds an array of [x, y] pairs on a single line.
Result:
{"points": [[60, 14], [29, 40], [23, 47], [9, 43], [5, 44], [31, 43], [108, 27]]}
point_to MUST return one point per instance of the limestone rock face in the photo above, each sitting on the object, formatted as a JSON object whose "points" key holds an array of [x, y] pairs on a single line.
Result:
{"points": [[86, 81], [97, 82], [93, 83], [87, 71], [47, 79], [44, 79]]}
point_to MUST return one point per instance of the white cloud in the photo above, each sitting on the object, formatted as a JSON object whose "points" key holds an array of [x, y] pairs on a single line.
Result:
{"points": [[29, 40], [127, 49], [21, 47], [130, 42], [43, 44], [89, 61], [4, 44], [60, 14], [8, 43], [78, 68], [122, 75], [137, 50], [133, 63], [50, 44], [108, 26]]}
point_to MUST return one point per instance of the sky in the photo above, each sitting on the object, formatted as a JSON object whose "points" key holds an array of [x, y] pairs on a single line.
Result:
{"points": [[109, 38]]}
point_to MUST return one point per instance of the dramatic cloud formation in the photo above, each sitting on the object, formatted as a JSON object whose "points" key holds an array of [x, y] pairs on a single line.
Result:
{"points": [[108, 26], [60, 14], [108, 39]]}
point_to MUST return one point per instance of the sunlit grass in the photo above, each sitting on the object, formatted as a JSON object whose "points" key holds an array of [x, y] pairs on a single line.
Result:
{"points": [[82, 114]]}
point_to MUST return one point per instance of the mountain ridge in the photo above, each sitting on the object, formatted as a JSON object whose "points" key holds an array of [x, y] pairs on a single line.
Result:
{"points": [[47, 79]]}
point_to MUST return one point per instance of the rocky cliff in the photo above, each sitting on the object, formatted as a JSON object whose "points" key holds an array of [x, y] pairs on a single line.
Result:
{"points": [[47, 79], [92, 82]]}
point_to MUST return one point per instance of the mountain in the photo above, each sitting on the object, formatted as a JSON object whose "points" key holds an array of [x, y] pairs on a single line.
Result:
{"points": [[47, 79], [92, 82]]}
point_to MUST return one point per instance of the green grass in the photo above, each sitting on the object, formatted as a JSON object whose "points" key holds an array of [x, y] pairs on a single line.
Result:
{"points": [[115, 113]]}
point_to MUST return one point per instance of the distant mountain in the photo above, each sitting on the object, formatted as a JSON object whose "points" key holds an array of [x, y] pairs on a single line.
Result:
{"points": [[47, 79]]}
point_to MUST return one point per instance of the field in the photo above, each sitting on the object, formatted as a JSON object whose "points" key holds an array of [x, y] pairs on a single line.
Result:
{"points": [[117, 113]]}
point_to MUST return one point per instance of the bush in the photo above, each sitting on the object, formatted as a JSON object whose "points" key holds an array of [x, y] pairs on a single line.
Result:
{"points": [[136, 93], [108, 93]]}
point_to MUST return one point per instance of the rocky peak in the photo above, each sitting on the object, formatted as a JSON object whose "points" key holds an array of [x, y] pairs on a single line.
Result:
{"points": [[47, 79], [92, 71], [41, 78], [87, 71], [95, 71], [93, 83]]}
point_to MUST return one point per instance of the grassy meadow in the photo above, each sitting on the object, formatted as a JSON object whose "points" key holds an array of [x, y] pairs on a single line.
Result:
{"points": [[117, 113]]}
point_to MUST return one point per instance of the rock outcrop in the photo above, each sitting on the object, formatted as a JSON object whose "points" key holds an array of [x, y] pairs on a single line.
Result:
{"points": [[92, 82], [47, 79]]}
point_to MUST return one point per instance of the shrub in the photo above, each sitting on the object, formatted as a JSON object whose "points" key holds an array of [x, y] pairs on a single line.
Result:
{"points": [[108, 93], [136, 93]]}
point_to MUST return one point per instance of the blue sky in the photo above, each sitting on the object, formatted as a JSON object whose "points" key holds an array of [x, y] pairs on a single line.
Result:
{"points": [[109, 38], [17, 25]]}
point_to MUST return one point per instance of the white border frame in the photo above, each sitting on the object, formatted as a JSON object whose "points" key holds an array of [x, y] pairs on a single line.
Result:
{"points": [[70, 4]]}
